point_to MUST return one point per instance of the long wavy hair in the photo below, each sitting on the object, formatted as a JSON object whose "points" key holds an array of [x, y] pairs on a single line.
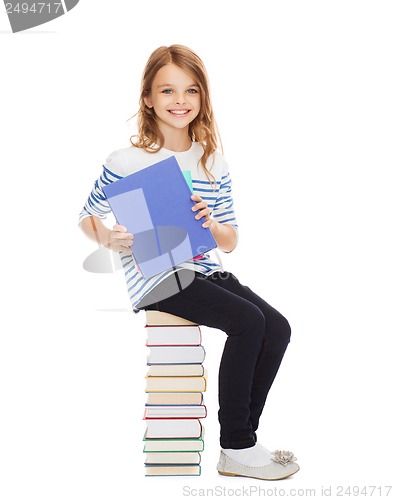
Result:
{"points": [[202, 129]]}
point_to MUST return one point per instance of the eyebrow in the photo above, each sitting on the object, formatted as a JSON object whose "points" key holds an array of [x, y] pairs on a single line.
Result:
{"points": [[171, 85]]}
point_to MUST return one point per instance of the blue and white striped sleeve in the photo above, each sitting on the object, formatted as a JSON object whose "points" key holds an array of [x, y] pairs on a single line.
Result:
{"points": [[97, 204], [223, 210]]}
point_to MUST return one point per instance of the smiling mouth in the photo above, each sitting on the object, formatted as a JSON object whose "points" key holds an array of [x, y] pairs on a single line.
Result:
{"points": [[179, 112]]}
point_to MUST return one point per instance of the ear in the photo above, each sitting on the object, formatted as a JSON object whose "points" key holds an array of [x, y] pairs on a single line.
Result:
{"points": [[148, 102]]}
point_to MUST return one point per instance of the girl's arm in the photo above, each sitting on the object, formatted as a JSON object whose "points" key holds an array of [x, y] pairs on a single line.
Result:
{"points": [[117, 239], [224, 234]]}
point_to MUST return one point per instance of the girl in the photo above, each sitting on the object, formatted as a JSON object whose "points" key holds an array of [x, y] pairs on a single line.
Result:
{"points": [[176, 118]]}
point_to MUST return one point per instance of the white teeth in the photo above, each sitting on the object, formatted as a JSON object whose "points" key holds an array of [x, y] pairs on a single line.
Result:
{"points": [[179, 112]]}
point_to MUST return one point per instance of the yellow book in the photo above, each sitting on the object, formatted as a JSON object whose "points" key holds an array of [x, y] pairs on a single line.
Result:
{"points": [[176, 384], [172, 470], [159, 318]]}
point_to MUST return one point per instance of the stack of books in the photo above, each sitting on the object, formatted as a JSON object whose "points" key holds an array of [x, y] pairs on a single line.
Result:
{"points": [[175, 382]]}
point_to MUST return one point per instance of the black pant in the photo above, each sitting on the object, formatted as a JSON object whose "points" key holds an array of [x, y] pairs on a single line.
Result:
{"points": [[258, 336]]}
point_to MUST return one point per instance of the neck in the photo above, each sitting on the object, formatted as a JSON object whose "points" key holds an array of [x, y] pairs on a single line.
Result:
{"points": [[177, 140]]}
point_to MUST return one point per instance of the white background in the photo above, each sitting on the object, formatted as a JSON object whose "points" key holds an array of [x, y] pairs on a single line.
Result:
{"points": [[302, 92]]}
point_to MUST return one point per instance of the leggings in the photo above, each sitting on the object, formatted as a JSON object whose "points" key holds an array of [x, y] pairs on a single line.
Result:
{"points": [[257, 337]]}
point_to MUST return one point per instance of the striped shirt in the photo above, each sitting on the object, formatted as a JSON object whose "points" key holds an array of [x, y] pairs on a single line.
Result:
{"points": [[123, 162]]}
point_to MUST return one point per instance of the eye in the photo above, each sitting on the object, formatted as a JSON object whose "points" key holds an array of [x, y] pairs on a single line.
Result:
{"points": [[192, 91], [167, 91]]}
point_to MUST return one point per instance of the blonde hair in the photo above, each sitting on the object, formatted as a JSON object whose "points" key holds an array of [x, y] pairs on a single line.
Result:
{"points": [[202, 129]]}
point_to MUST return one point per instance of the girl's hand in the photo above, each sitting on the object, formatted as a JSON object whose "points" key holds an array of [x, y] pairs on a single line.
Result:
{"points": [[204, 211], [119, 240]]}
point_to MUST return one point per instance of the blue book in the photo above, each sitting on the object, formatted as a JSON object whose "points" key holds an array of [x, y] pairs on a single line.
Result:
{"points": [[154, 205]]}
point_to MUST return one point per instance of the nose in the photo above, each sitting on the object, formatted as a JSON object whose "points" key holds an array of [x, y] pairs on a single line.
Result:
{"points": [[180, 99]]}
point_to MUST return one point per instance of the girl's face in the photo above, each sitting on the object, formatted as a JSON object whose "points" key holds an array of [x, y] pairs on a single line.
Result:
{"points": [[175, 97]]}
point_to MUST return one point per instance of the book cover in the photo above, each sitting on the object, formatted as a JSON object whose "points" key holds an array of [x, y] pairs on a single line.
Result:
{"points": [[173, 428], [173, 335], [175, 384], [190, 370], [174, 444], [154, 205], [175, 458], [174, 398], [175, 411], [172, 470], [176, 354], [159, 318]]}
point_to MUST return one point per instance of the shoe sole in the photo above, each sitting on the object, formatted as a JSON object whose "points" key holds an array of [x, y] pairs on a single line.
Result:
{"points": [[232, 474]]}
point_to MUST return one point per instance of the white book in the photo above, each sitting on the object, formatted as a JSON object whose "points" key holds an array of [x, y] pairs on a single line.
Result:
{"points": [[173, 428], [176, 354], [180, 457], [175, 445], [173, 335], [175, 411]]}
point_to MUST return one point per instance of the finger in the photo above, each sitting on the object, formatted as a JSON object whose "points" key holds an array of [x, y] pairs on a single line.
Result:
{"points": [[126, 245], [119, 227], [119, 245], [116, 247], [203, 213], [123, 236], [199, 206], [208, 223], [196, 197]]}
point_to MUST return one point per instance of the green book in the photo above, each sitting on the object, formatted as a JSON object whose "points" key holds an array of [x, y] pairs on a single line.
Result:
{"points": [[187, 175], [174, 444]]}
